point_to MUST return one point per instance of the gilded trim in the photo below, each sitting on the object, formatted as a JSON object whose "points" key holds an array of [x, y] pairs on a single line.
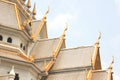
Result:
{"points": [[55, 54], [89, 75], [39, 29], [18, 18]]}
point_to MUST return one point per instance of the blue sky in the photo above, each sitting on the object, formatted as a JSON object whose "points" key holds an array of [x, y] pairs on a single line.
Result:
{"points": [[86, 18]]}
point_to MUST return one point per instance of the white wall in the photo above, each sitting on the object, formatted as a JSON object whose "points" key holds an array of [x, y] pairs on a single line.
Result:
{"points": [[17, 39], [25, 72]]}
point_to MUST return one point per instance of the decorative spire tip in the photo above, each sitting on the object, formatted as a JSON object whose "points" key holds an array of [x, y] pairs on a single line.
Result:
{"points": [[99, 38], [111, 65], [64, 34], [47, 11]]}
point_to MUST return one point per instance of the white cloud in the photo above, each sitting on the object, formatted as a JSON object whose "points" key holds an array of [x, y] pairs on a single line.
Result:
{"points": [[58, 23]]}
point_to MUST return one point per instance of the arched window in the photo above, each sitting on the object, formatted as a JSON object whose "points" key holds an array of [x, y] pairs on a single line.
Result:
{"points": [[1, 38], [21, 45], [24, 48], [9, 40]]}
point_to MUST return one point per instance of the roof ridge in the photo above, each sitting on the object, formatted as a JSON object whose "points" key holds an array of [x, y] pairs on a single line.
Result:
{"points": [[46, 39], [98, 71], [76, 47]]}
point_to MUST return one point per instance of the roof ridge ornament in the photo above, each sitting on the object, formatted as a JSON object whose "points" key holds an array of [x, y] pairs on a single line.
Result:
{"points": [[99, 39], [45, 15], [64, 33], [111, 64]]}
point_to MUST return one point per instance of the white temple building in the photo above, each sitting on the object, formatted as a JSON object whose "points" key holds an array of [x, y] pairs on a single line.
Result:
{"points": [[26, 52]]}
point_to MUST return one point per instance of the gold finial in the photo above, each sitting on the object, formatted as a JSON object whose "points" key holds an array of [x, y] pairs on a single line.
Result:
{"points": [[29, 4], [111, 65], [34, 9], [99, 38], [64, 33]]}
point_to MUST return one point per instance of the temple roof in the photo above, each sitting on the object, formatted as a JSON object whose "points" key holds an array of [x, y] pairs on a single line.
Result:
{"points": [[100, 75], [35, 25], [78, 75], [72, 58], [44, 48], [16, 15]]}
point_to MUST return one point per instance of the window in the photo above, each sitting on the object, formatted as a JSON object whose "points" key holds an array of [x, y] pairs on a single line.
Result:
{"points": [[1, 38], [9, 40], [16, 76], [24, 48], [21, 45]]}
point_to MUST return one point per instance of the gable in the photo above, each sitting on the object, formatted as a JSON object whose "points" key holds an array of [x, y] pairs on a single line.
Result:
{"points": [[38, 29], [8, 15], [43, 33], [96, 59], [97, 62]]}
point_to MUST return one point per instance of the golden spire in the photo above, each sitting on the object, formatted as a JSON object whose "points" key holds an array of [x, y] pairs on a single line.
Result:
{"points": [[34, 9], [29, 4]]}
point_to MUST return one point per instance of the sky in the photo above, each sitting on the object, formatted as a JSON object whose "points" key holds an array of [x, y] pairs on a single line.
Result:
{"points": [[86, 18]]}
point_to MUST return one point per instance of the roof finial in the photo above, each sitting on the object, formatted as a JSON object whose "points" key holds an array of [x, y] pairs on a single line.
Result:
{"points": [[99, 38], [29, 4], [47, 11], [111, 65], [12, 71], [34, 9], [64, 33]]}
